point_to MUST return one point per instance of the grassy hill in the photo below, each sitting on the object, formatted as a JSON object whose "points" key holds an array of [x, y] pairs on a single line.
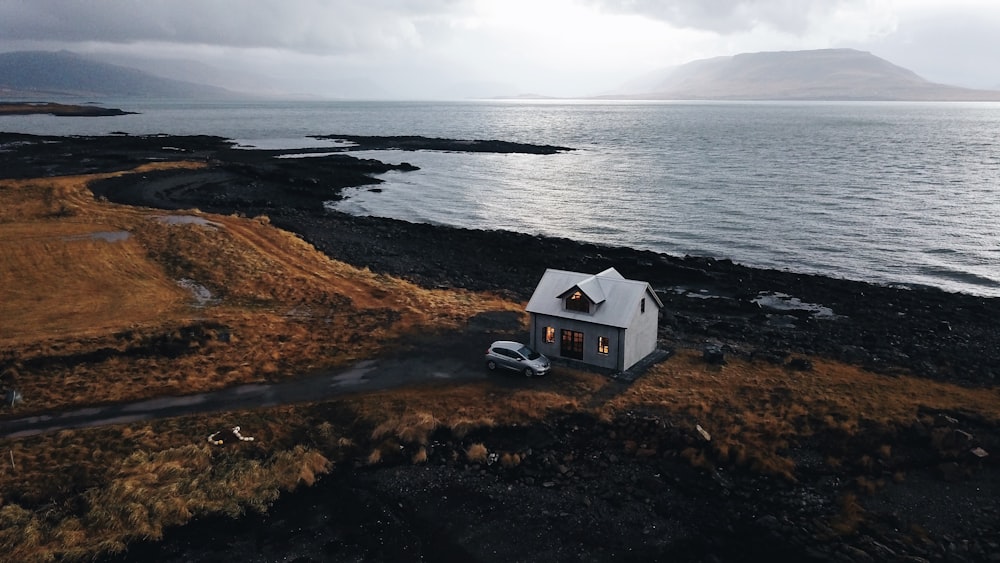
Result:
{"points": [[117, 278]]}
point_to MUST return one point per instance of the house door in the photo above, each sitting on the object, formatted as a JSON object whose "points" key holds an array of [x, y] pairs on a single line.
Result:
{"points": [[571, 345]]}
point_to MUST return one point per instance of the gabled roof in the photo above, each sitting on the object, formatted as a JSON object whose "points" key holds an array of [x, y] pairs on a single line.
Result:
{"points": [[591, 286], [616, 299]]}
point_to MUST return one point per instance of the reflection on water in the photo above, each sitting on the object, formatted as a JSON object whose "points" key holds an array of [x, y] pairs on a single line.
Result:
{"points": [[899, 193]]}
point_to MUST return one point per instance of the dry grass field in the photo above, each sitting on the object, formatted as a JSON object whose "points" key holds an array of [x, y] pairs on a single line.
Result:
{"points": [[754, 411], [180, 303], [104, 303]]}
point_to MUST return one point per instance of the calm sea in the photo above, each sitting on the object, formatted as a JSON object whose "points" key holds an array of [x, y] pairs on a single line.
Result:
{"points": [[895, 193]]}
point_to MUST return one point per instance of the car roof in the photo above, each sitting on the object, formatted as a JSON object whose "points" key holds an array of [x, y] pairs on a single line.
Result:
{"points": [[507, 344]]}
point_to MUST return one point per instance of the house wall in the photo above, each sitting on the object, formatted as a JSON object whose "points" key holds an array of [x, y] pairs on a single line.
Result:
{"points": [[590, 331], [640, 338]]}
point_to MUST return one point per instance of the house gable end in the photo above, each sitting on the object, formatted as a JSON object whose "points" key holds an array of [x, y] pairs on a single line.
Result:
{"points": [[656, 298]]}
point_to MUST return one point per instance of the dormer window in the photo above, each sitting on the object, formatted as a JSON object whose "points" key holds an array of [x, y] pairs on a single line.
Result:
{"points": [[577, 301]]}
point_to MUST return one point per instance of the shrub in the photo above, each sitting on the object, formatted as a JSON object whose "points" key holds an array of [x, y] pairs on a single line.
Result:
{"points": [[851, 515], [477, 453], [510, 460]]}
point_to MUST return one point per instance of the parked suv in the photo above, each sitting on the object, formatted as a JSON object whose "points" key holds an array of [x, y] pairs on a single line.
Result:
{"points": [[516, 356]]}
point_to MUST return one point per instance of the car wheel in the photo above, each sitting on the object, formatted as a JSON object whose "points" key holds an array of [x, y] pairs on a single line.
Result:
{"points": [[491, 365], [528, 372]]}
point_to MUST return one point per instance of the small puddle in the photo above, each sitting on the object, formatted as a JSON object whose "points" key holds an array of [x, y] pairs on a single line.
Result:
{"points": [[186, 220], [106, 236], [14, 145], [354, 376], [202, 295], [165, 402], [785, 302], [308, 154], [700, 294]]}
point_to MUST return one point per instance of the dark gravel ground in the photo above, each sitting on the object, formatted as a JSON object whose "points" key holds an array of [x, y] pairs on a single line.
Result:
{"points": [[581, 493]]}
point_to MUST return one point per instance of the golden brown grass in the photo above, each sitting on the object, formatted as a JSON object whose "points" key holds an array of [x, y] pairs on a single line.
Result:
{"points": [[90, 288], [411, 415], [103, 487], [148, 491], [60, 276], [476, 453], [850, 516], [138, 473], [283, 306], [753, 410]]}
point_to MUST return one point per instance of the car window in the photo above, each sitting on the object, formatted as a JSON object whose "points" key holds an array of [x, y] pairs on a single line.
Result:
{"points": [[528, 353], [504, 352]]}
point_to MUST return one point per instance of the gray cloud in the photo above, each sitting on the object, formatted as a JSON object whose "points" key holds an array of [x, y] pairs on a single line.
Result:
{"points": [[946, 46], [413, 47], [728, 16], [308, 26]]}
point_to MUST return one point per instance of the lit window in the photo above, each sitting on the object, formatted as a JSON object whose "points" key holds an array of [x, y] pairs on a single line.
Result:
{"points": [[603, 344], [550, 334], [577, 302]]}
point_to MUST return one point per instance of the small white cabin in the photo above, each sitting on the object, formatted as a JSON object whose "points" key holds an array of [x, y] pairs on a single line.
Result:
{"points": [[602, 319]]}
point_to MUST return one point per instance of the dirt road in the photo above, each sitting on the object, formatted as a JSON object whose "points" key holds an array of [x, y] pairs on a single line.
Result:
{"points": [[455, 357]]}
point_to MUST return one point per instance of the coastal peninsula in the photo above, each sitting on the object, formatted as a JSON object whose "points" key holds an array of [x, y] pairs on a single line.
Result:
{"points": [[798, 417], [59, 110]]}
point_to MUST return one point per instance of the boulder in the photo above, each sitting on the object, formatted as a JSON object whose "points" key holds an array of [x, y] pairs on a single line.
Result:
{"points": [[713, 354], [800, 364], [951, 472], [12, 397]]}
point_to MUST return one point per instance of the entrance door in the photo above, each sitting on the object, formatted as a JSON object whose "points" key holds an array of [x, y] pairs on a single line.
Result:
{"points": [[571, 345]]}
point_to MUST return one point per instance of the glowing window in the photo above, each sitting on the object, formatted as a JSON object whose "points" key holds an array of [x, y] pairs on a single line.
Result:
{"points": [[577, 302], [603, 345], [550, 334]]}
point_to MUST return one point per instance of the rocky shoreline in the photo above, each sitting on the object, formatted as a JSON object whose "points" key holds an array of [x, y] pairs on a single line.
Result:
{"points": [[920, 330], [582, 493]]}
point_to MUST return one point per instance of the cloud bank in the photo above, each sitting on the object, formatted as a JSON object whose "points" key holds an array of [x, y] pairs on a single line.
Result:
{"points": [[430, 48]]}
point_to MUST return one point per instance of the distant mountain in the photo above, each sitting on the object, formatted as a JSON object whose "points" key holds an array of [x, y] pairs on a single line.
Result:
{"points": [[825, 74], [44, 74], [188, 70]]}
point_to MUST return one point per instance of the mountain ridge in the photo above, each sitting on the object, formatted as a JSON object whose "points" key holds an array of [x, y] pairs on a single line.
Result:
{"points": [[821, 74], [64, 74]]}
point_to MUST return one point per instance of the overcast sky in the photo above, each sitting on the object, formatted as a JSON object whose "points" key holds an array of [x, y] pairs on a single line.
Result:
{"points": [[457, 48]]}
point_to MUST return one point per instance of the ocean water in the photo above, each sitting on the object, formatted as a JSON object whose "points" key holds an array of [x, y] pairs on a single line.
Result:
{"points": [[893, 193]]}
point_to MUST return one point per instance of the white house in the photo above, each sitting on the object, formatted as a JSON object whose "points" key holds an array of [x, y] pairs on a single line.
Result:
{"points": [[603, 319]]}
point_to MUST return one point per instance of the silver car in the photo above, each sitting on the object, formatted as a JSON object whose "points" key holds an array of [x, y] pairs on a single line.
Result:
{"points": [[516, 356]]}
